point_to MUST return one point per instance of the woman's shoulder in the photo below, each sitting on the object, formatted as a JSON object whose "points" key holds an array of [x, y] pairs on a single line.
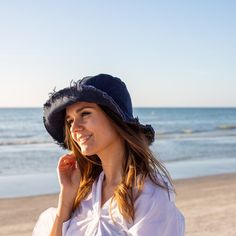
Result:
{"points": [[157, 204], [156, 212]]}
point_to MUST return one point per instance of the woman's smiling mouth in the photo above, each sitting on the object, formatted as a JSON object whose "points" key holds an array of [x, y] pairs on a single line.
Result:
{"points": [[84, 139]]}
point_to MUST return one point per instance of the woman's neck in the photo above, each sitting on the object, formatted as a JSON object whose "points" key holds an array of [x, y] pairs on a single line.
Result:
{"points": [[112, 161]]}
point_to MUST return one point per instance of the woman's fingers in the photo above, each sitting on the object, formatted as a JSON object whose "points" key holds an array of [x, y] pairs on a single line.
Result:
{"points": [[68, 172], [67, 162]]}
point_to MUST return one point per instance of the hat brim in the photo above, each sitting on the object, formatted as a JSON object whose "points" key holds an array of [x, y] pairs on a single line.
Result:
{"points": [[55, 108]]}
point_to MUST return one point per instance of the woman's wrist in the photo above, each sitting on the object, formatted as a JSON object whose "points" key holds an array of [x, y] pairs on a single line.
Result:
{"points": [[68, 196], [63, 213]]}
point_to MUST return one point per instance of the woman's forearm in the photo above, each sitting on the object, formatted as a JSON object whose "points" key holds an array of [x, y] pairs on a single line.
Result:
{"points": [[64, 210]]}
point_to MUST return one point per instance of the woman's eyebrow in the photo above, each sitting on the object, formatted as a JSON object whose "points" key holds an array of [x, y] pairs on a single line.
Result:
{"points": [[80, 109]]}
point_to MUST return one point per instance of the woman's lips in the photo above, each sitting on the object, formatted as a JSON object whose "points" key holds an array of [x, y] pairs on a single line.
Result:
{"points": [[84, 139]]}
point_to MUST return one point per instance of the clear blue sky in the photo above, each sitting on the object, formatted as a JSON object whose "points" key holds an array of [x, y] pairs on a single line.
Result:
{"points": [[169, 53]]}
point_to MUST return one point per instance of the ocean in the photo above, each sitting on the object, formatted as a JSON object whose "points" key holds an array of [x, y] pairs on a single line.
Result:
{"points": [[190, 141]]}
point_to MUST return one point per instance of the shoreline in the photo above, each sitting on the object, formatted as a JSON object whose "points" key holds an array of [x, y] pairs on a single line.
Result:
{"points": [[207, 202], [23, 185]]}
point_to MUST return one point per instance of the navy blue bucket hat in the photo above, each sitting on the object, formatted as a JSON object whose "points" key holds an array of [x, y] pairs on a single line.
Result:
{"points": [[102, 89]]}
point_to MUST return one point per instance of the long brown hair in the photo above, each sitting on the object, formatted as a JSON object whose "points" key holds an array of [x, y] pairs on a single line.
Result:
{"points": [[139, 164]]}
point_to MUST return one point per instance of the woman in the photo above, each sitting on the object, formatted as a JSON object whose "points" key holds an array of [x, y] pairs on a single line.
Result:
{"points": [[110, 182]]}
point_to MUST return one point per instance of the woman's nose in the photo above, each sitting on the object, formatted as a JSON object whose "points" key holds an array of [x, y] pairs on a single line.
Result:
{"points": [[76, 126]]}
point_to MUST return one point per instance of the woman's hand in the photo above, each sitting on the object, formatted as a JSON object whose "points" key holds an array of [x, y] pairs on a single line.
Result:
{"points": [[68, 175], [69, 180]]}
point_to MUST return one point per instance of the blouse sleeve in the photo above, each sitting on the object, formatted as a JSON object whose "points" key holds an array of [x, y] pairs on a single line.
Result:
{"points": [[45, 222], [157, 215]]}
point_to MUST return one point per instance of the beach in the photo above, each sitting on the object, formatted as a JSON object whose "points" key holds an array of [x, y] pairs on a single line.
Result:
{"points": [[192, 142], [208, 204]]}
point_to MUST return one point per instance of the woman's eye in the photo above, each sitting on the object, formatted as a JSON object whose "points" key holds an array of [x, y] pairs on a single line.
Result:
{"points": [[85, 113]]}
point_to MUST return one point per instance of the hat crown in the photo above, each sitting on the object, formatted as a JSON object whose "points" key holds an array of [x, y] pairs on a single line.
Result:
{"points": [[113, 87]]}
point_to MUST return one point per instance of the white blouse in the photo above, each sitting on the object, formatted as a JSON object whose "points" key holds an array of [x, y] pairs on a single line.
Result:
{"points": [[155, 215]]}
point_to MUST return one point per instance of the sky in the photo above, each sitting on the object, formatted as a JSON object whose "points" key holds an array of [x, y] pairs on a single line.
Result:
{"points": [[169, 53]]}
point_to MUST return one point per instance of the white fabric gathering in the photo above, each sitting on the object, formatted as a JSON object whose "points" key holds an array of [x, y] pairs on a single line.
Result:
{"points": [[155, 215]]}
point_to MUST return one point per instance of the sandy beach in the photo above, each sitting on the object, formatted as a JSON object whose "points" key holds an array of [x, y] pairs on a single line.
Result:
{"points": [[208, 204]]}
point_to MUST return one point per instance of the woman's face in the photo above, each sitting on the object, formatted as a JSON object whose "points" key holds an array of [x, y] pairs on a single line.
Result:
{"points": [[90, 128]]}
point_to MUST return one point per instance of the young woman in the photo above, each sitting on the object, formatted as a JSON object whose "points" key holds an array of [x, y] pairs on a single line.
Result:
{"points": [[110, 182]]}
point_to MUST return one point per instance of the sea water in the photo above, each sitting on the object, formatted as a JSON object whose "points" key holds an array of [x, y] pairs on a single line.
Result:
{"points": [[190, 141]]}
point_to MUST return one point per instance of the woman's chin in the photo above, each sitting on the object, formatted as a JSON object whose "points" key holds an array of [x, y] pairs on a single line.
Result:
{"points": [[87, 152]]}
